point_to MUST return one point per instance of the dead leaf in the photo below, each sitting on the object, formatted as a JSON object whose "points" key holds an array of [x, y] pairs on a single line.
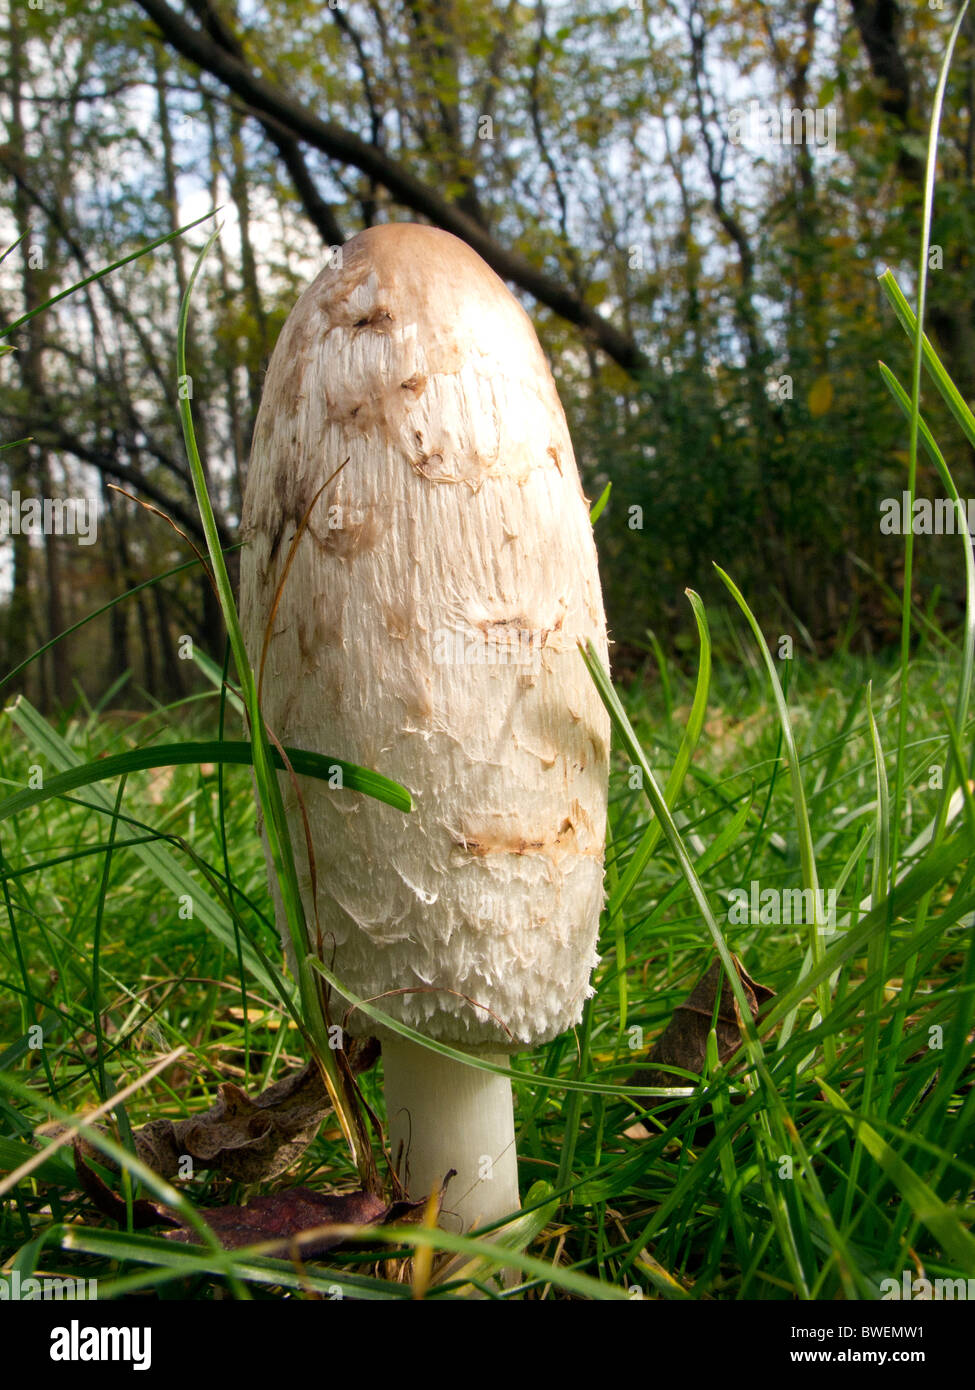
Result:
{"points": [[144, 1212], [250, 1140], [637, 1130], [683, 1043], [295, 1218], [284, 1216]]}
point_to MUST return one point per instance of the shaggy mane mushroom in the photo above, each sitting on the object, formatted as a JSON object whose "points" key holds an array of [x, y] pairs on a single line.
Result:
{"points": [[428, 628]]}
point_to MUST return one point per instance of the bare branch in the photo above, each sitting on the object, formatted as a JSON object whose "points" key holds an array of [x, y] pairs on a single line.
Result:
{"points": [[265, 99]]}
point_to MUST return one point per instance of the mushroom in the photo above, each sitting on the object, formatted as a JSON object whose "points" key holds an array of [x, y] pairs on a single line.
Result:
{"points": [[428, 627]]}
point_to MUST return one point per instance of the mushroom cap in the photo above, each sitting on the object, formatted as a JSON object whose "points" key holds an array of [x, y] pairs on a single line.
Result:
{"points": [[428, 628]]}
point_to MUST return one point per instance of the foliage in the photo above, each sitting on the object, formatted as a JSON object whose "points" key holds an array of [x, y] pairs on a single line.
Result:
{"points": [[708, 297], [831, 1152]]}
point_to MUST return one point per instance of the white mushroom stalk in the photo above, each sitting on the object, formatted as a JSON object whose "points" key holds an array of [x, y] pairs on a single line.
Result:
{"points": [[428, 628]]}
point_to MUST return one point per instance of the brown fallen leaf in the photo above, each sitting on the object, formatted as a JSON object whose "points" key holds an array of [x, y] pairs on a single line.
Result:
{"points": [[295, 1219], [144, 1212], [284, 1216], [683, 1043], [250, 1140]]}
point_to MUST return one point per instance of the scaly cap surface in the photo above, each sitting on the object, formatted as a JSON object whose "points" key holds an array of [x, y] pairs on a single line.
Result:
{"points": [[428, 629]]}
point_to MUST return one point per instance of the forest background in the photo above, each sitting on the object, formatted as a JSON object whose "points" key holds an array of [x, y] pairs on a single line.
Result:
{"points": [[692, 200]]}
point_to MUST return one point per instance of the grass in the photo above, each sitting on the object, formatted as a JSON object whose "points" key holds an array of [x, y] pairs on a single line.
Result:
{"points": [[831, 1152], [814, 1180]]}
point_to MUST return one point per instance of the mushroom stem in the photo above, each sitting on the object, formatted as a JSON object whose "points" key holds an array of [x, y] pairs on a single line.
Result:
{"points": [[442, 1115]]}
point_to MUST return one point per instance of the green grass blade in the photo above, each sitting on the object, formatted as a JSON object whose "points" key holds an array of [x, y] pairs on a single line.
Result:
{"points": [[807, 856], [947, 389], [159, 859], [689, 741], [963, 701], [239, 754], [106, 270], [215, 676], [600, 503], [943, 1223], [265, 775]]}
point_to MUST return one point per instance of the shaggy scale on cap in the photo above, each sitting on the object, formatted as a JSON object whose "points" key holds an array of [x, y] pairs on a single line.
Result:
{"points": [[428, 629]]}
